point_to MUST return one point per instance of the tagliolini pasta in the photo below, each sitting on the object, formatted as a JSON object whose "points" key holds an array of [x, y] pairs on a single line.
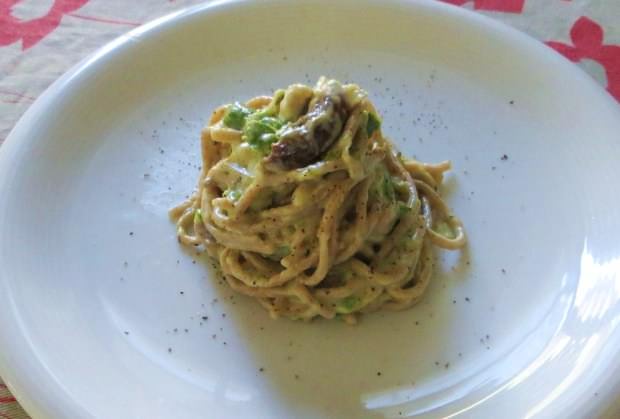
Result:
{"points": [[311, 210]]}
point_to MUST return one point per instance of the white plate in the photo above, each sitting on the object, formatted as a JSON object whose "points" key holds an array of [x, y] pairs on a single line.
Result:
{"points": [[97, 321]]}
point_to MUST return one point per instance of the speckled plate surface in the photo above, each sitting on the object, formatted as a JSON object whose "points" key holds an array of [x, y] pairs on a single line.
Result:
{"points": [[102, 314]]}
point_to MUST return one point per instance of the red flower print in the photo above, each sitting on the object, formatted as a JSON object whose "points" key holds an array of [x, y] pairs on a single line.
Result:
{"points": [[32, 31], [587, 37], [508, 6]]}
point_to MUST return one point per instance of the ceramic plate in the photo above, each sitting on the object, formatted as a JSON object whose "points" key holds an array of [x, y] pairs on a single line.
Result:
{"points": [[103, 314]]}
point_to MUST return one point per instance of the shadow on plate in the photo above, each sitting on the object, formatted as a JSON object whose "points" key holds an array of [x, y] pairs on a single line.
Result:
{"points": [[330, 369]]}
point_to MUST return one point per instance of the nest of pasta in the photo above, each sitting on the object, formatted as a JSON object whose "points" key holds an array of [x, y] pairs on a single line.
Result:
{"points": [[311, 210]]}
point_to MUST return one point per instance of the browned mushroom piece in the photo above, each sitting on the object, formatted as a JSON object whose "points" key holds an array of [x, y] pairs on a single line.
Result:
{"points": [[310, 136]]}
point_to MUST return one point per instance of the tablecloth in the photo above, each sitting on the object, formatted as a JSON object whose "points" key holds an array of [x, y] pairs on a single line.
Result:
{"points": [[41, 39]]}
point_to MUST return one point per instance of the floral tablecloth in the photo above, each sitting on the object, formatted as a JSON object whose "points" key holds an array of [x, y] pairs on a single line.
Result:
{"points": [[41, 39]]}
